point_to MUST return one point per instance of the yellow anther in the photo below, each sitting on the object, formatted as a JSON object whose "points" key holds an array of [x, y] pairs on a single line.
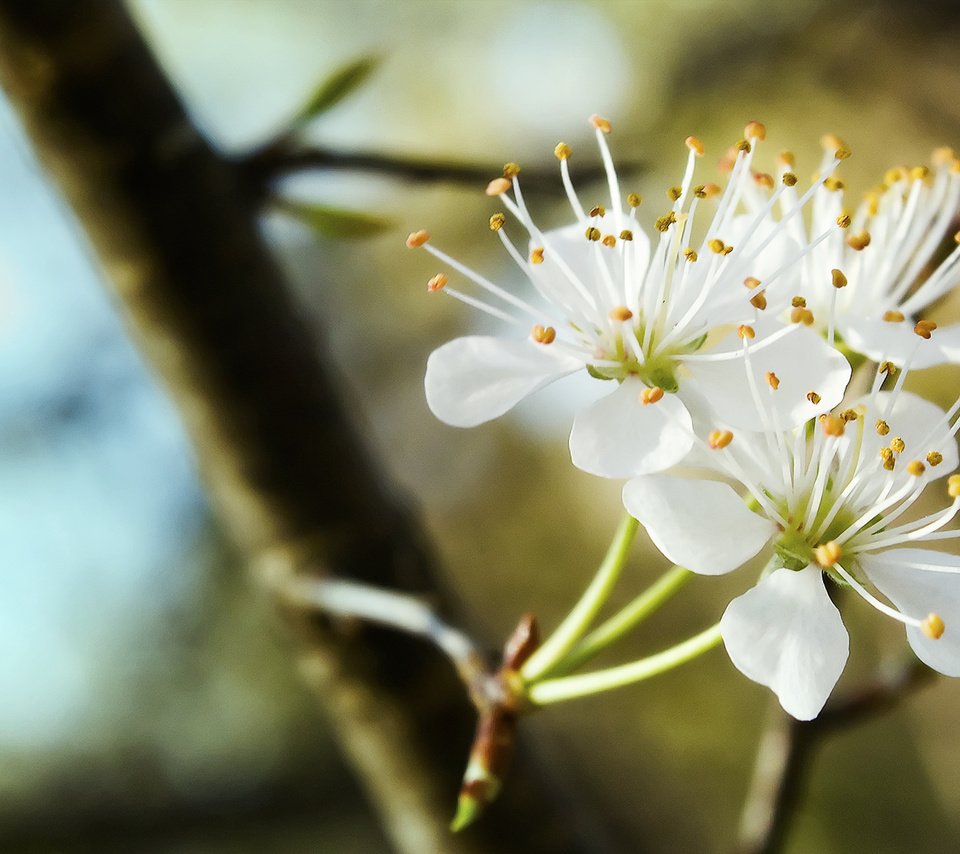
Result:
{"points": [[873, 203], [562, 151], [813, 397], [417, 238], [888, 368], [651, 395], [598, 210], [626, 234], [849, 415], [787, 158], [511, 170], [690, 254], [860, 241], [889, 460], [934, 458], [746, 332], [497, 187], [833, 184], [894, 175], [773, 380], [833, 425], [536, 255], [727, 250], [751, 282], [497, 221], [742, 145], [802, 315], [916, 468], [798, 302], [925, 328], [953, 486], [664, 222], [882, 427], [700, 191], [943, 156], [719, 439], [763, 179], [897, 445], [600, 123], [893, 316], [838, 279], [827, 554], [710, 190], [843, 220], [755, 130], [842, 153], [933, 626], [621, 313], [789, 178], [759, 301], [674, 193], [634, 200], [592, 233], [716, 245], [919, 173], [609, 241], [437, 283], [831, 142], [695, 145], [543, 334]]}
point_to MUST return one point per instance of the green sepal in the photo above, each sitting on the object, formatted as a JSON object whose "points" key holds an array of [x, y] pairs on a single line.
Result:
{"points": [[665, 379], [598, 374], [789, 558]]}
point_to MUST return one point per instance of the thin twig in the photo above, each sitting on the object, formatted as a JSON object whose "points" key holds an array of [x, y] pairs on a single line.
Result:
{"points": [[403, 612], [787, 748], [282, 159]]}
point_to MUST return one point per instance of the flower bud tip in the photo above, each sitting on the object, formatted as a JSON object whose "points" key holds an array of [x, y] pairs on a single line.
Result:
{"points": [[468, 811]]}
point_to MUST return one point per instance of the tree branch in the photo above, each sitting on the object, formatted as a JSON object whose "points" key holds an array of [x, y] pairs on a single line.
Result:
{"points": [[285, 157], [175, 227], [787, 749]]}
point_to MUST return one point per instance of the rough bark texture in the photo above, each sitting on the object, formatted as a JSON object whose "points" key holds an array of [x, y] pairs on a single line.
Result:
{"points": [[176, 231]]}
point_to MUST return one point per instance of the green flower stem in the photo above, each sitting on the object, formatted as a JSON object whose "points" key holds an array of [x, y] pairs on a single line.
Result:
{"points": [[576, 622], [624, 620], [583, 685]]}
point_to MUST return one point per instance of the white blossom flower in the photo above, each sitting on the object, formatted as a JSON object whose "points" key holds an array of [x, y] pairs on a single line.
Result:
{"points": [[871, 283], [820, 503], [654, 320]]}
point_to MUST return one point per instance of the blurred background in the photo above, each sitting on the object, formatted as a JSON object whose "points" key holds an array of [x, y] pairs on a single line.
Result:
{"points": [[150, 698]]}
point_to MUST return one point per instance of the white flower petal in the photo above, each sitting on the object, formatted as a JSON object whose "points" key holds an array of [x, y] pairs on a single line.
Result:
{"points": [[881, 340], [802, 362], [918, 592], [786, 634], [700, 524], [619, 436], [474, 379]]}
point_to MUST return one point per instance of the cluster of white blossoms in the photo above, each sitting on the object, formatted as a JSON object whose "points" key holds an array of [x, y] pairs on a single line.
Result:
{"points": [[727, 341]]}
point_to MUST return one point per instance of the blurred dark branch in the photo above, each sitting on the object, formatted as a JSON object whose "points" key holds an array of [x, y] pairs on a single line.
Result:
{"points": [[176, 229], [787, 749], [283, 158]]}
